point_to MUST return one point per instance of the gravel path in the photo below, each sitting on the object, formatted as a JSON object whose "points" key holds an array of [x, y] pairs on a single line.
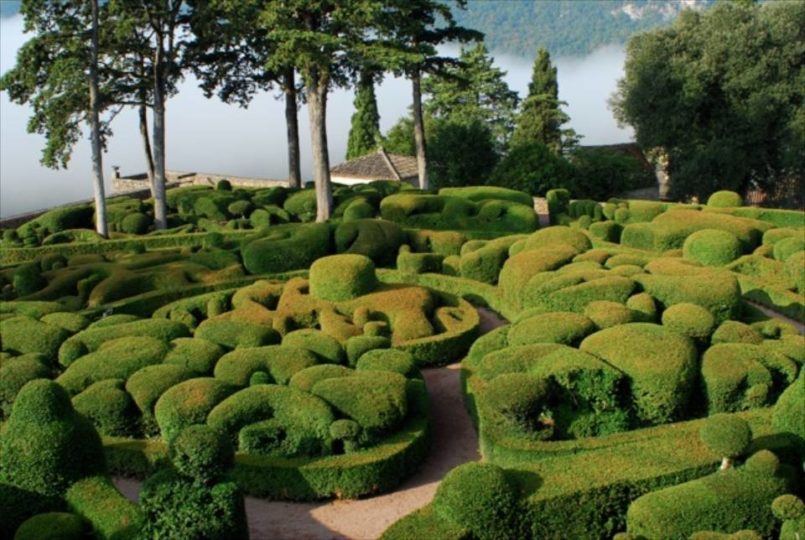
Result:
{"points": [[541, 208], [454, 442]]}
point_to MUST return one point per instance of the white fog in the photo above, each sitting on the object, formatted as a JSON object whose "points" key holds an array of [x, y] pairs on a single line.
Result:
{"points": [[207, 135]]}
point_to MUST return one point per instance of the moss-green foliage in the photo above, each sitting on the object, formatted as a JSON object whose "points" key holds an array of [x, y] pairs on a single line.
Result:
{"points": [[201, 453], [437, 242], [39, 449], [558, 327], [789, 414], [305, 379], [52, 526], [116, 359], [94, 337], [110, 408], [236, 334], [559, 235], [300, 424], [660, 364], [189, 403], [374, 399], [718, 292], [357, 346], [786, 247], [606, 230], [520, 268], [146, 385], [72, 322], [558, 201], [728, 500], [176, 507], [15, 373], [518, 403], [342, 277], [643, 307], [794, 269], [605, 313], [482, 261], [712, 247], [135, 223], [481, 498], [738, 376], [388, 360], [111, 515], [736, 332], [302, 205], [726, 435], [689, 320], [725, 199], [22, 335], [58, 219], [573, 291], [418, 263], [290, 249], [27, 279], [791, 511], [196, 354], [325, 347], [482, 193], [375, 238]]}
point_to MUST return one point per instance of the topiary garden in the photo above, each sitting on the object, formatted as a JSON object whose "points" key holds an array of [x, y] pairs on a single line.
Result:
{"points": [[250, 351]]}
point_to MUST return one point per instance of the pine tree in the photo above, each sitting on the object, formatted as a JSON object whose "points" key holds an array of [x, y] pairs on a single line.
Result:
{"points": [[541, 117], [364, 133]]}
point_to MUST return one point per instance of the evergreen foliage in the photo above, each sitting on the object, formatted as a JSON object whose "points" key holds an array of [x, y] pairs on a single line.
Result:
{"points": [[364, 132]]}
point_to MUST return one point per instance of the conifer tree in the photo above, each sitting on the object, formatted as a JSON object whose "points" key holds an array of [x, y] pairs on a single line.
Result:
{"points": [[364, 133], [541, 117]]}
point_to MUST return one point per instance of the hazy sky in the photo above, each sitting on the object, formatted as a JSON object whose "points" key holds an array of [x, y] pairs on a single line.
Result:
{"points": [[207, 135]]}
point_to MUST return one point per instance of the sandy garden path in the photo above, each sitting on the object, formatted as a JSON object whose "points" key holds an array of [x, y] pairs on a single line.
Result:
{"points": [[454, 442]]}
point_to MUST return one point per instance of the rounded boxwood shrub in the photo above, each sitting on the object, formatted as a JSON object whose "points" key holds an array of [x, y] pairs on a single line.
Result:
{"points": [[240, 208], [736, 332], [235, 334], [188, 403], [52, 526], [201, 453], [375, 399], [308, 377], [135, 223], [110, 408], [643, 306], [146, 386], [711, 247], [727, 436], [322, 345], [223, 185], [481, 498], [287, 251], [787, 247], [516, 402], [559, 235], [559, 327], [377, 239], [72, 322], [357, 346], [725, 199], [791, 511], [342, 277], [195, 354], [395, 360], [689, 320], [23, 334], [46, 445], [789, 414], [662, 366], [27, 279], [605, 313], [16, 373], [116, 359], [794, 269]]}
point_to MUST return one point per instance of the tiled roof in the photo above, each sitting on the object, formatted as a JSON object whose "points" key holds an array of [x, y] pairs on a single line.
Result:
{"points": [[378, 166]]}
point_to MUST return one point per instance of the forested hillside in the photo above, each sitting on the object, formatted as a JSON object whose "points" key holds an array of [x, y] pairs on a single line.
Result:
{"points": [[575, 27]]}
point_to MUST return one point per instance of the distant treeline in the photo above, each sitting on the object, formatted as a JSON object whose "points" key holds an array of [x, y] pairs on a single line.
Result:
{"points": [[565, 28]]}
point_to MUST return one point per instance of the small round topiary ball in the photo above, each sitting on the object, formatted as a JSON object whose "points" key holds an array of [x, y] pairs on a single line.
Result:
{"points": [[135, 223], [726, 435], [52, 526], [689, 320], [342, 277], [201, 453], [788, 507], [481, 498], [712, 247], [223, 185], [725, 199]]}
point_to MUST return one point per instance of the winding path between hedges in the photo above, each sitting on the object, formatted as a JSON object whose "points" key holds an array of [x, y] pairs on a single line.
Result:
{"points": [[454, 442]]}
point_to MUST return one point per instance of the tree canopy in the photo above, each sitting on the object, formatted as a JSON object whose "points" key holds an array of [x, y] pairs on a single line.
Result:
{"points": [[364, 132], [721, 93]]}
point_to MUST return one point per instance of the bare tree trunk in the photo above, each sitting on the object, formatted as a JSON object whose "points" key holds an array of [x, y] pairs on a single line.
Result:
{"points": [[726, 463], [317, 110], [419, 132], [95, 126], [292, 124], [149, 158], [160, 210]]}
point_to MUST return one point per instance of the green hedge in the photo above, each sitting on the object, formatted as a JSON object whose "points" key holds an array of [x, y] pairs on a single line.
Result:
{"points": [[290, 249], [375, 238], [111, 514], [712, 247], [342, 277]]}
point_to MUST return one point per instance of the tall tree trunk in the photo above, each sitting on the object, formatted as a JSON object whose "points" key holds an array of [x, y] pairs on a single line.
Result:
{"points": [[149, 158], [317, 110], [419, 131], [95, 127], [292, 124], [160, 210]]}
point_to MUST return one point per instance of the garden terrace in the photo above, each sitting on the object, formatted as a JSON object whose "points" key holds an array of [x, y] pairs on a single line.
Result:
{"points": [[630, 327]]}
